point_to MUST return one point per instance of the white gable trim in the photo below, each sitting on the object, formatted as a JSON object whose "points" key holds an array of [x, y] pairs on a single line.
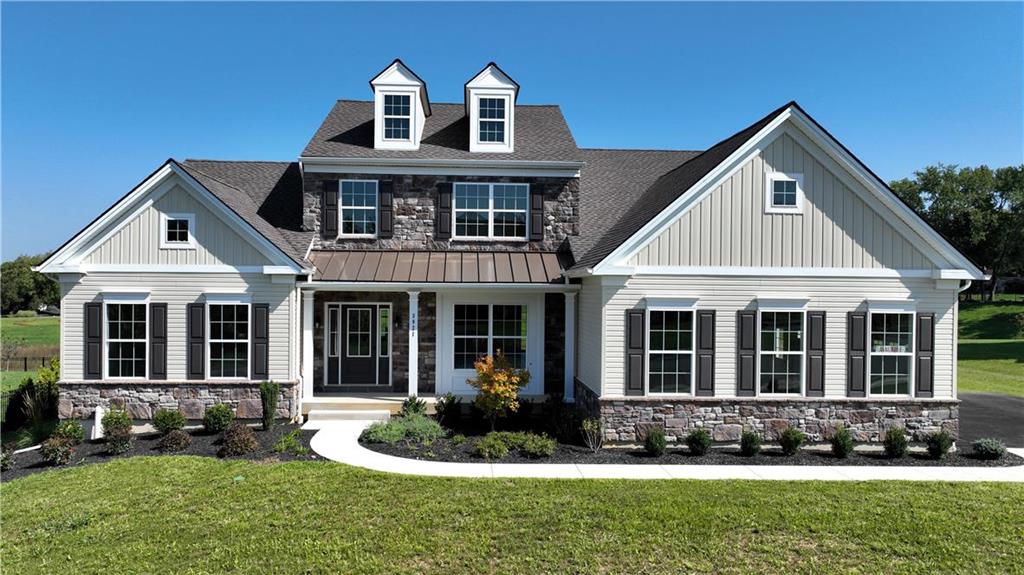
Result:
{"points": [[943, 254], [70, 256]]}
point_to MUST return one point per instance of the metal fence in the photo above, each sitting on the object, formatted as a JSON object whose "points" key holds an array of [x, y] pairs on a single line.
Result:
{"points": [[25, 363]]}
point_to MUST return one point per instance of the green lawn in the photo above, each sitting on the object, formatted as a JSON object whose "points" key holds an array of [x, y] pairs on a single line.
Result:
{"points": [[10, 380], [40, 335], [188, 514], [991, 366], [989, 320]]}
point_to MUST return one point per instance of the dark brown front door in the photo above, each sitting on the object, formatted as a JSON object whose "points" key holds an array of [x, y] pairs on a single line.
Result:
{"points": [[359, 345]]}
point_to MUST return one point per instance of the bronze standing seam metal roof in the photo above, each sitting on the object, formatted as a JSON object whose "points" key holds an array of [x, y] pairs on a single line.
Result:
{"points": [[437, 266]]}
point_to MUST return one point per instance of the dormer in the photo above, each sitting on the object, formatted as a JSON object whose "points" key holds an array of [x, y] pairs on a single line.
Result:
{"points": [[491, 105], [400, 108]]}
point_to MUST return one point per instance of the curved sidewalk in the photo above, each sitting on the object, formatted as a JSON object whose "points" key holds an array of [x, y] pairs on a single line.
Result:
{"points": [[339, 441]]}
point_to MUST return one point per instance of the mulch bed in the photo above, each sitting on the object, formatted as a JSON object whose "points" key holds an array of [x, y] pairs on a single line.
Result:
{"points": [[202, 444], [446, 450]]}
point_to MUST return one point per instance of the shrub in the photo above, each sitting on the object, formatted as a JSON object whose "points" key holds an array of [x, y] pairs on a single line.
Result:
{"points": [[175, 440], [895, 442], [536, 446], [790, 440], [168, 420], [389, 432], [655, 443], [268, 398], [458, 439], [497, 385], [57, 450], [290, 443], [6, 458], [593, 433], [117, 429], [989, 448], [71, 430], [413, 406], [447, 408], [238, 439], [750, 443], [34, 403], [218, 418], [419, 428], [491, 447], [842, 443], [699, 441], [938, 444]]}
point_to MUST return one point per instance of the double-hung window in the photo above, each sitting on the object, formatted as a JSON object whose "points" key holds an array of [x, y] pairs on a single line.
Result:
{"points": [[491, 211], [358, 211], [229, 340], [126, 340], [492, 120], [781, 352], [670, 351], [486, 329], [892, 353], [397, 116]]}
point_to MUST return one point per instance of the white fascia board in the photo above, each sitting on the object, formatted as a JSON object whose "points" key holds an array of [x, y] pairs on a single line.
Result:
{"points": [[428, 166], [177, 269], [774, 272], [900, 305], [436, 287]]}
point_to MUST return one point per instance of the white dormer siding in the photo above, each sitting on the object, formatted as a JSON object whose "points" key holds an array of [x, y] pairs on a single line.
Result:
{"points": [[491, 105], [400, 108]]}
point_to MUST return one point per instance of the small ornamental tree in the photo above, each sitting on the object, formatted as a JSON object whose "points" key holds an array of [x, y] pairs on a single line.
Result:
{"points": [[497, 384]]}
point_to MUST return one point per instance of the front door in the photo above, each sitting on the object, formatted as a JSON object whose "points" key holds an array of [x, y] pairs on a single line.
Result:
{"points": [[359, 345]]}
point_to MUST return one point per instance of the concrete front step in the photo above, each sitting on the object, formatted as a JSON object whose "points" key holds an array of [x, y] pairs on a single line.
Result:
{"points": [[349, 415], [391, 404]]}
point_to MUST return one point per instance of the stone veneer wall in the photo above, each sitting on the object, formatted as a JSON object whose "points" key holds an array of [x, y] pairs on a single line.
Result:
{"points": [[79, 400], [414, 198]]}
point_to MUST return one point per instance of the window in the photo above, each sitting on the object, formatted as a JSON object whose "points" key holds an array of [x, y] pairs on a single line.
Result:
{"points": [[397, 116], [177, 231], [492, 120], [485, 329], [494, 211], [332, 332], [784, 193], [384, 318], [782, 352], [358, 338], [358, 208], [892, 352], [229, 340], [126, 340], [670, 351]]}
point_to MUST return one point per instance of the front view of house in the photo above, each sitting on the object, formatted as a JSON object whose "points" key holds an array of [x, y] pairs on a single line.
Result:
{"points": [[770, 281]]}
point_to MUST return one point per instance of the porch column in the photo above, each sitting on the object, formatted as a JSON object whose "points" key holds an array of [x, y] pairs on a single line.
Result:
{"points": [[307, 344], [414, 342], [570, 346]]}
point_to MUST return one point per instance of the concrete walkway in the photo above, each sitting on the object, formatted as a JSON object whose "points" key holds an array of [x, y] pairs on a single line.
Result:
{"points": [[339, 441]]}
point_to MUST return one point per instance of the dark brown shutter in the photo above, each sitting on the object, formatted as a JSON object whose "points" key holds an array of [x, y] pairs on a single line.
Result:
{"points": [[157, 341], [536, 213], [856, 352], [443, 212], [924, 368], [706, 352], [196, 341], [260, 341], [329, 212], [746, 353], [93, 340], [386, 211], [635, 352], [815, 354]]}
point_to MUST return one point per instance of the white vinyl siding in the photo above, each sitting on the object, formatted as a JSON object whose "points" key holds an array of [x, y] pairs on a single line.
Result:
{"points": [[589, 330]]}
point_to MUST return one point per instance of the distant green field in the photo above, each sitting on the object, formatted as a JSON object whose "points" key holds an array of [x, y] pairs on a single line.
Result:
{"points": [[990, 320], [33, 331], [991, 366], [10, 380]]}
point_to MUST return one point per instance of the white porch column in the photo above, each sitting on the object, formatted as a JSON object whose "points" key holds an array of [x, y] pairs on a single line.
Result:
{"points": [[570, 345], [414, 342], [307, 344]]}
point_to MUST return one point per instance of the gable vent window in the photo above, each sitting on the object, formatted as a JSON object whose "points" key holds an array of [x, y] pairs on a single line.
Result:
{"points": [[358, 208], [492, 120], [177, 231], [396, 116], [784, 193]]}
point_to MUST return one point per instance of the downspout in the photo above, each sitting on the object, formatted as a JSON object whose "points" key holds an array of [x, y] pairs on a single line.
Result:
{"points": [[956, 335]]}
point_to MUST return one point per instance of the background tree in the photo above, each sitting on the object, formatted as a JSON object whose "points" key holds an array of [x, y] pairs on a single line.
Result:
{"points": [[21, 288], [980, 210]]}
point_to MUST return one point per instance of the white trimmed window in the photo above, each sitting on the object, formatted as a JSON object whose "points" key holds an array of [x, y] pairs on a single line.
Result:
{"points": [[784, 193], [492, 120], [384, 330], [491, 211], [228, 342], [127, 340], [781, 356], [177, 231], [670, 337], [397, 116], [358, 209], [892, 353], [482, 329]]}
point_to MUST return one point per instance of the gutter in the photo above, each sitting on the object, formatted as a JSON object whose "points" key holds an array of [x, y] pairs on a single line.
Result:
{"points": [[447, 163]]}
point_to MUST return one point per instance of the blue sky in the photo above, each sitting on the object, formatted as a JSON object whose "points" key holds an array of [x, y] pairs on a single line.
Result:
{"points": [[96, 96]]}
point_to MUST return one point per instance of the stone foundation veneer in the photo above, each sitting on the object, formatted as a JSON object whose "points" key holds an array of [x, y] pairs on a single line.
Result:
{"points": [[626, 420], [78, 400]]}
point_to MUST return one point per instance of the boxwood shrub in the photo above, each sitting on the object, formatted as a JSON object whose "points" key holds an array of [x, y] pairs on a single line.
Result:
{"points": [[218, 418], [168, 420], [699, 441]]}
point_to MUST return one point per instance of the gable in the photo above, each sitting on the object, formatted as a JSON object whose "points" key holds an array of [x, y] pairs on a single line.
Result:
{"points": [[137, 240], [839, 226]]}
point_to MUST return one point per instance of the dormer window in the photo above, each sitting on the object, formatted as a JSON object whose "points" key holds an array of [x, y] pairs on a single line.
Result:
{"points": [[492, 120], [491, 108], [397, 116]]}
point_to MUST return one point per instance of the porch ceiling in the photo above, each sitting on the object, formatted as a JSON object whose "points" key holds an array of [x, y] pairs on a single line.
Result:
{"points": [[403, 266]]}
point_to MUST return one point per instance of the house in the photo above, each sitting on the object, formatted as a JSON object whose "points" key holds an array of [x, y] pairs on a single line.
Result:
{"points": [[771, 280]]}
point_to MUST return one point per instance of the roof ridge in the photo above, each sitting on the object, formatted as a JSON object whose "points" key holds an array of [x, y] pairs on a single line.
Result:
{"points": [[218, 180], [452, 103], [238, 161], [670, 150]]}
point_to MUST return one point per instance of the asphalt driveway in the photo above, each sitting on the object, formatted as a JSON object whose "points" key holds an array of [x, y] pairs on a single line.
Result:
{"points": [[991, 415]]}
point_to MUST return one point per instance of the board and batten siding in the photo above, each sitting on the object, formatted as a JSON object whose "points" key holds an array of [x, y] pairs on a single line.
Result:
{"points": [[138, 242], [177, 291], [727, 295], [729, 227]]}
